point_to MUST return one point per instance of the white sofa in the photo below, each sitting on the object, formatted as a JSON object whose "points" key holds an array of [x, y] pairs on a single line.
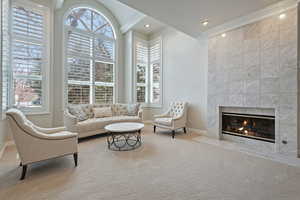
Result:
{"points": [[92, 125]]}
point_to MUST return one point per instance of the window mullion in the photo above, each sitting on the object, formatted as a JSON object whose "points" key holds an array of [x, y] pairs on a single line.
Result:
{"points": [[92, 72]]}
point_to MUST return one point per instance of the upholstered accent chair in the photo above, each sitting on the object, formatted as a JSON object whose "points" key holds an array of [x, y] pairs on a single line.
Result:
{"points": [[175, 118], [36, 144]]}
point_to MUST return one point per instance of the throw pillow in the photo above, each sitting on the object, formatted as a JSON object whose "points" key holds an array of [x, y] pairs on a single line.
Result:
{"points": [[132, 109], [102, 112], [78, 113]]}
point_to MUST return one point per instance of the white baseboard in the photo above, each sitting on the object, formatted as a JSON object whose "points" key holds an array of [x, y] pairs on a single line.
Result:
{"points": [[6, 144]]}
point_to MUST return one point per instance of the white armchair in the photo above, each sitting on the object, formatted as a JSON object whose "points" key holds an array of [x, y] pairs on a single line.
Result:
{"points": [[174, 118], [36, 144]]}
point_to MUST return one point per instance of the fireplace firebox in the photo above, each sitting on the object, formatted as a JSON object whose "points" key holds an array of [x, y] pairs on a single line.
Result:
{"points": [[258, 127]]}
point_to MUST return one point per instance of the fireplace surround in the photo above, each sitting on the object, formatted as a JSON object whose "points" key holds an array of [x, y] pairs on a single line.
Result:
{"points": [[254, 70]]}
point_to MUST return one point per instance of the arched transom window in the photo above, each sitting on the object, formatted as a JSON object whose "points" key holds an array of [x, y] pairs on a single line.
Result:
{"points": [[90, 57]]}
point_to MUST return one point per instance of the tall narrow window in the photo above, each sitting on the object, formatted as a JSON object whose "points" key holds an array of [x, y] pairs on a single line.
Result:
{"points": [[155, 71], [29, 56], [148, 71], [90, 57], [142, 53]]}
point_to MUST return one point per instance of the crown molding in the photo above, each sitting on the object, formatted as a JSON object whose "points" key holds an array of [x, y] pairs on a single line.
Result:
{"points": [[253, 17], [136, 19]]}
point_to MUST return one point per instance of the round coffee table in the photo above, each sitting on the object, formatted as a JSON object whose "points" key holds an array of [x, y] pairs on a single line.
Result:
{"points": [[124, 136]]}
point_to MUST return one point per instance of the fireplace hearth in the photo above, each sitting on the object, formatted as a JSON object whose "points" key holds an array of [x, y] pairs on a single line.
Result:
{"points": [[258, 127]]}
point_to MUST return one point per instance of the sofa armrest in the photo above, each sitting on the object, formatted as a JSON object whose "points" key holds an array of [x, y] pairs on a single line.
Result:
{"points": [[70, 121], [140, 113]]}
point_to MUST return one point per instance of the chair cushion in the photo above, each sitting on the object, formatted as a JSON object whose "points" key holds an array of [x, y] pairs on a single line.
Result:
{"points": [[164, 121], [94, 124], [102, 112]]}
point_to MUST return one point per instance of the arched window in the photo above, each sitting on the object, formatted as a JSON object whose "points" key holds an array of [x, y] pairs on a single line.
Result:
{"points": [[90, 57]]}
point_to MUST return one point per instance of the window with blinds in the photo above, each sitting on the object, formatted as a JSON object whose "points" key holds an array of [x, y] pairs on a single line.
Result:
{"points": [[5, 53], [148, 71], [142, 60], [155, 71], [29, 56], [90, 44]]}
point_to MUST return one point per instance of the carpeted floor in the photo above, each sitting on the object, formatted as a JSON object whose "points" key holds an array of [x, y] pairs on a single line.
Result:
{"points": [[161, 169]]}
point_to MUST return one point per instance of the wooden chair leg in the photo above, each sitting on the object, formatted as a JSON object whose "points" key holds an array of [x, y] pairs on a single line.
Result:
{"points": [[154, 128], [24, 169], [75, 155], [184, 129], [173, 134]]}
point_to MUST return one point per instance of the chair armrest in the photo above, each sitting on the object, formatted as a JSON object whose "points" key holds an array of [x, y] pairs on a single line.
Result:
{"points": [[61, 135], [51, 130], [165, 115], [178, 117], [70, 121]]}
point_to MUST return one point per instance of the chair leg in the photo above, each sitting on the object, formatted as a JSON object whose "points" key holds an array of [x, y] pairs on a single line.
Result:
{"points": [[154, 128], [173, 134], [184, 129], [23, 172], [20, 164], [75, 155]]}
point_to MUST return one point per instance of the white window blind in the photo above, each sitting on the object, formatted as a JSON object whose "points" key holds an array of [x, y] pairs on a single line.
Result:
{"points": [[5, 53], [142, 59], [90, 58], [148, 71], [29, 56], [155, 71]]}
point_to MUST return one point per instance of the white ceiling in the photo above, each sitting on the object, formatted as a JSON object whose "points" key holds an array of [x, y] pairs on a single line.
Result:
{"points": [[130, 18], [122, 12], [186, 15], [155, 26]]}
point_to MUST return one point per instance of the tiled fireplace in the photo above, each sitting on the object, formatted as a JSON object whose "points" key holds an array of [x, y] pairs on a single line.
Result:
{"points": [[253, 73]]}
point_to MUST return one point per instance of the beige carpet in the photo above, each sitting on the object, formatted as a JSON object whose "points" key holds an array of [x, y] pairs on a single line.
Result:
{"points": [[161, 169]]}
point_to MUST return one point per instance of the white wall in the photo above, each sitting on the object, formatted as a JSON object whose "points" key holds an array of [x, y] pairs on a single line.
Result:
{"points": [[184, 76]]}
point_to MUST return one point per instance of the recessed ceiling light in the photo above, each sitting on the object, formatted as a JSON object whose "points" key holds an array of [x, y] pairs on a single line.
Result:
{"points": [[205, 23], [147, 25], [282, 16], [40, 6], [223, 35]]}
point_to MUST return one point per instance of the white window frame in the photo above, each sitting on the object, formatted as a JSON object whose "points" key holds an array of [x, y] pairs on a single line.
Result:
{"points": [[44, 109], [149, 73], [92, 84], [146, 84]]}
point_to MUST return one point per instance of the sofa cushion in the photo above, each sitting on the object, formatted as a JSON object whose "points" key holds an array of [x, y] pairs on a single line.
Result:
{"points": [[132, 109], [98, 106], [164, 121], [102, 112], [119, 109], [78, 112], [94, 124]]}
